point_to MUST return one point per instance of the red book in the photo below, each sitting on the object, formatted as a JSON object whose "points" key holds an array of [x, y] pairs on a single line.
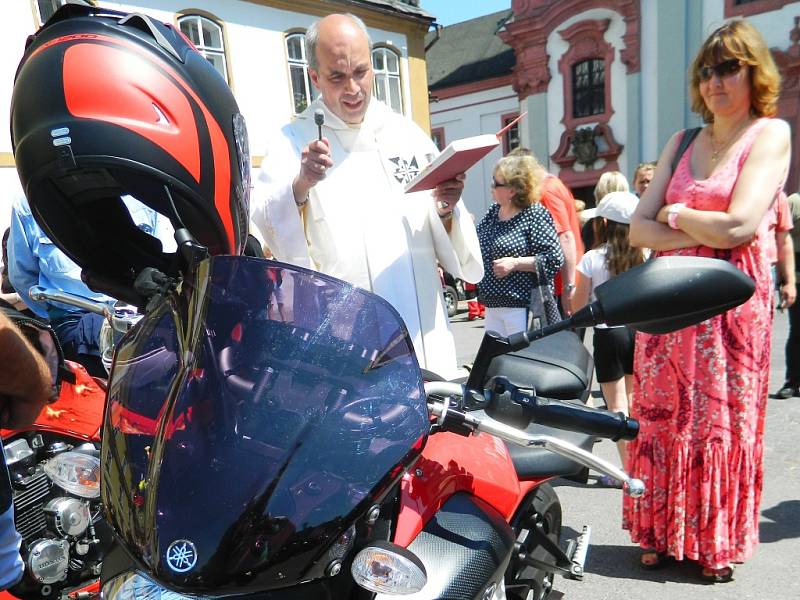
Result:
{"points": [[459, 156]]}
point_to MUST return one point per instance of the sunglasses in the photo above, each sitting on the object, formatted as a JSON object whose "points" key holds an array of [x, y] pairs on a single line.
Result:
{"points": [[722, 70], [494, 184]]}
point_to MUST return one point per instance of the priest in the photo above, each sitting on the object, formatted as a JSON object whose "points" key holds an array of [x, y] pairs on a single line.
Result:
{"points": [[331, 198]]}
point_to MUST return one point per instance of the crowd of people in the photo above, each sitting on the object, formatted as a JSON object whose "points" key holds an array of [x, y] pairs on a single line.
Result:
{"points": [[331, 202]]}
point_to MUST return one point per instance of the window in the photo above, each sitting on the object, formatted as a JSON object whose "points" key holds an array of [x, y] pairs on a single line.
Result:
{"points": [[298, 71], [588, 88], [206, 35], [510, 136], [749, 8], [437, 135], [386, 65], [47, 8]]}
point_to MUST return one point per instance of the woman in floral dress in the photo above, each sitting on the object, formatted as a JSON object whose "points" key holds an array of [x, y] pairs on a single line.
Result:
{"points": [[700, 393]]}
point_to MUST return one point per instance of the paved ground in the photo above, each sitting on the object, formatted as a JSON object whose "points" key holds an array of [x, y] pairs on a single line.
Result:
{"points": [[611, 565]]}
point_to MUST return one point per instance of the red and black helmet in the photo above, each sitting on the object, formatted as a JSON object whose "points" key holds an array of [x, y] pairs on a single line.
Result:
{"points": [[107, 104]]}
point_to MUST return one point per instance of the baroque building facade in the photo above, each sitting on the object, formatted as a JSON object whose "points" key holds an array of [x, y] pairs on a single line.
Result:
{"points": [[603, 83]]}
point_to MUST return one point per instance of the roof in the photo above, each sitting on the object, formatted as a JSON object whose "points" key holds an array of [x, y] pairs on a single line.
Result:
{"points": [[408, 7], [468, 51]]}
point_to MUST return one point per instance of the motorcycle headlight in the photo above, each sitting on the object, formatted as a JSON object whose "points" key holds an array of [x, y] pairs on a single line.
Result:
{"points": [[135, 585], [77, 473]]}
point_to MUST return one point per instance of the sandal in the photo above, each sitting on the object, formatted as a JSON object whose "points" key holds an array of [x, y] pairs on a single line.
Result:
{"points": [[651, 559], [722, 575]]}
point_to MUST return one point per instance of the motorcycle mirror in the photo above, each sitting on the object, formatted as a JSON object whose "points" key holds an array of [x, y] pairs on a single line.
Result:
{"points": [[666, 294]]}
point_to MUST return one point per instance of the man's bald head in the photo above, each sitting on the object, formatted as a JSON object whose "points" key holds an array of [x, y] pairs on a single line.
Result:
{"points": [[330, 26], [340, 65]]}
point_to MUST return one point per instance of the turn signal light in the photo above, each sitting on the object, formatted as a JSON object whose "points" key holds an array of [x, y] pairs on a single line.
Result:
{"points": [[387, 568]]}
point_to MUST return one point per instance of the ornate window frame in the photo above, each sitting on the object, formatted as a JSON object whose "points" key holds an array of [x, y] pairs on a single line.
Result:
{"points": [[586, 41]]}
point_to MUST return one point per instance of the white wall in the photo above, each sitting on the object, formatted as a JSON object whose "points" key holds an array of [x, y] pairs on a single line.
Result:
{"points": [[475, 114], [18, 23], [774, 25], [649, 74]]}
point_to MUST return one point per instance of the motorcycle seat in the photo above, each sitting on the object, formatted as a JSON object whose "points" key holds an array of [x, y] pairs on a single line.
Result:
{"points": [[539, 463], [557, 366]]}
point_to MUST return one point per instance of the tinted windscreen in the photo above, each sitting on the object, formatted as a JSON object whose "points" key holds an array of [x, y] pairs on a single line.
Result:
{"points": [[299, 401]]}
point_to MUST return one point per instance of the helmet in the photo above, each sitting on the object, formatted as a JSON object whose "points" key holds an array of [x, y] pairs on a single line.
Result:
{"points": [[107, 104]]}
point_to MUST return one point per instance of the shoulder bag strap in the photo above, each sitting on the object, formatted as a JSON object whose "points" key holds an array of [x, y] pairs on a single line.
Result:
{"points": [[686, 140]]}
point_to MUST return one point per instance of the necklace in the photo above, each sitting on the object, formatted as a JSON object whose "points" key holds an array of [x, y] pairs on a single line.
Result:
{"points": [[716, 151]]}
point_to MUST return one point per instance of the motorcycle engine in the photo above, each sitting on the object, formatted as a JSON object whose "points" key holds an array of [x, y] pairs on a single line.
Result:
{"points": [[56, 513]]}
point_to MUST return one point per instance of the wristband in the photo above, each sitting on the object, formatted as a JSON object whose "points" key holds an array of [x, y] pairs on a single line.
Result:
{"points": [[672, 214]]}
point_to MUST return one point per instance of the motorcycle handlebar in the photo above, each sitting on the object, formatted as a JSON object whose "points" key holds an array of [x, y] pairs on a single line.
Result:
{"points": [[577, 417], [456, 420], [41, 294]]}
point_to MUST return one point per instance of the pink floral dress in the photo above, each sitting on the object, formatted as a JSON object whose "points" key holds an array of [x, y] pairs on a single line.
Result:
{"points": [[700, 395]]}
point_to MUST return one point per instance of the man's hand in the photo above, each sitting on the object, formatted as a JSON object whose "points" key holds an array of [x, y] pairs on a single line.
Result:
{"points": [[502, 267], [315, 160], [448, 193], [25, 383]]}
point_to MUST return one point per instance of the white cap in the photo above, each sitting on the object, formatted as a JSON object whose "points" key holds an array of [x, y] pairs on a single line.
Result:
{"points": [[616, 206]]}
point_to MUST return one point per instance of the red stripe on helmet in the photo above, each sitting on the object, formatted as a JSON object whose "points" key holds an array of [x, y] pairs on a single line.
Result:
{"points": [[94, 74]]}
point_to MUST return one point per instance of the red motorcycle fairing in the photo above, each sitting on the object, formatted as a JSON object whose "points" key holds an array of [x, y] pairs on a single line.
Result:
{"points": [[78, 412], [479, 465]]}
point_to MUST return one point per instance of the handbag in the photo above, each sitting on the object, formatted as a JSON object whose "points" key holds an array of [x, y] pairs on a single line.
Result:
{"points": [[542, 308]]}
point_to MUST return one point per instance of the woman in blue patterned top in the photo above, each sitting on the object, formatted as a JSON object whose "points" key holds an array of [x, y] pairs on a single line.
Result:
{"points": [[517, 238]]}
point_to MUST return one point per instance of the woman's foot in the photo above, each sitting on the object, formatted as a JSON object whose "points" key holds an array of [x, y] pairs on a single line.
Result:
{"points": [[650, 559], [721, 575]]}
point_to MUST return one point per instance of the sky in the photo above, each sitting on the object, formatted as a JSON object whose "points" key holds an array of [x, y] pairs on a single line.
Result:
{"points": [[448, 12]]}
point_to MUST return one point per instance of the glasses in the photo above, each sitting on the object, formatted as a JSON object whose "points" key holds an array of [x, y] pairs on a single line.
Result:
{"points": [[722, 70], [495, 184]]}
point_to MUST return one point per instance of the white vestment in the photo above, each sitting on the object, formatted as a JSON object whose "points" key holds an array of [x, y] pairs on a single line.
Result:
{"points": [[359, 226]]}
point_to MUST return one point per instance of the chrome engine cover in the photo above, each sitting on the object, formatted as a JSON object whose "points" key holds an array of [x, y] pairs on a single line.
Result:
{"points": [[48, 560], [68, 516]]}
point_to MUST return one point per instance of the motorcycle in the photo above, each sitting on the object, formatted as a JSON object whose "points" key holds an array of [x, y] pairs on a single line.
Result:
{"points": [[54, 465], [246, 456]]}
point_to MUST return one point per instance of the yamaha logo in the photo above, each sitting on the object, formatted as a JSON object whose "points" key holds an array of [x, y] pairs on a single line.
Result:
{"points": [[181, 556]]}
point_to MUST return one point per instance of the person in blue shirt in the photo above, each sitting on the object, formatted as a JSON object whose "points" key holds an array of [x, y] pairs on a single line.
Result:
{"points": [[34, 260]]}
